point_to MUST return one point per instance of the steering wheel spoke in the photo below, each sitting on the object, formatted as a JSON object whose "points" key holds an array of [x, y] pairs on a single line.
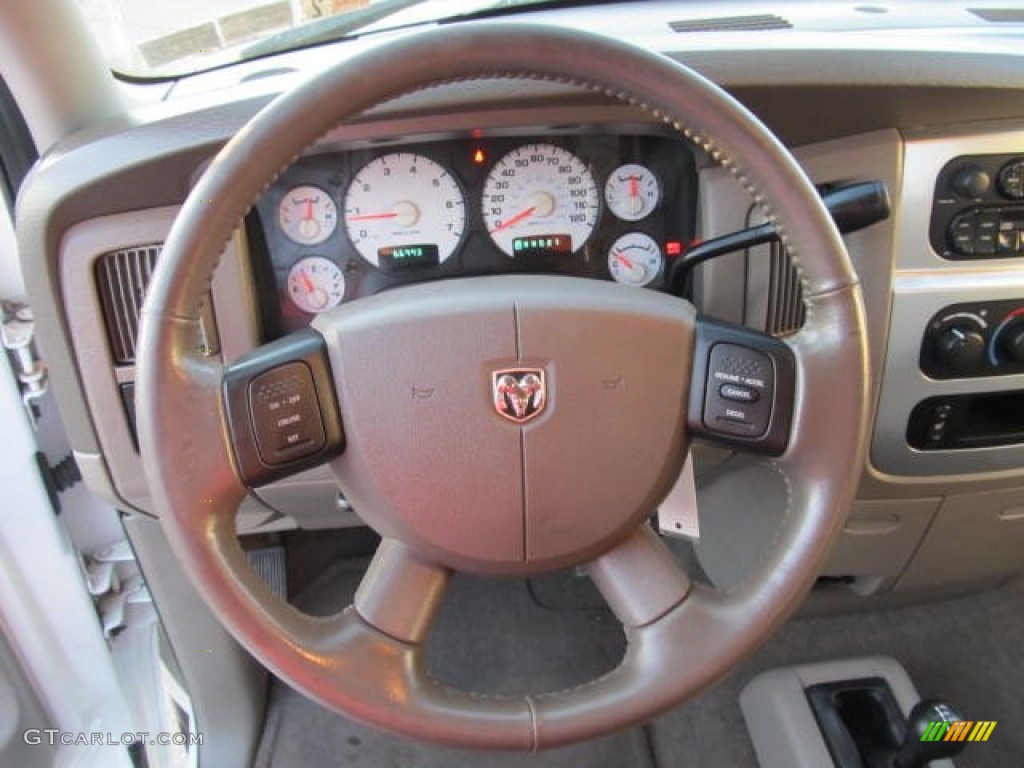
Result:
{"points": [[742, 390], [640, 579], [401, 593], [281, 409]]}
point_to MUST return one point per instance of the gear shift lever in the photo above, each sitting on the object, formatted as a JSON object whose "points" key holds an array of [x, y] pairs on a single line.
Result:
{"points": [[916, 753]]}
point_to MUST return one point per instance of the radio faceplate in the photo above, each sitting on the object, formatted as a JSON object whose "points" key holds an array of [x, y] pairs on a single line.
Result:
{"points": [[978, 208]]}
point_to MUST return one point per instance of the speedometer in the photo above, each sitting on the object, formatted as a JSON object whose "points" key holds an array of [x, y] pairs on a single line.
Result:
{"points": [[540, 198], [404, 210]]}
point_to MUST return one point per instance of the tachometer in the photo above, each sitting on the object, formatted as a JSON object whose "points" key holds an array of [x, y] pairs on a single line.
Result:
{"points": [[404, 209], [540, 193]]}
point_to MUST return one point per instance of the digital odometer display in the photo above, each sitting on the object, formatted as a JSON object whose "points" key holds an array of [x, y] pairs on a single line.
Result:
{"points": [[395, 258], [542, 245]]}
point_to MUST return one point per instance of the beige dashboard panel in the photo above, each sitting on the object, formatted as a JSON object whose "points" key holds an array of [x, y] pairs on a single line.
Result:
{"points": [[975, 538]]}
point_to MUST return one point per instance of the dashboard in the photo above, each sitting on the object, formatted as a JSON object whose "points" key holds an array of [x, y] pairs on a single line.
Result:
{"points": [[613, 203], [496, 177]]}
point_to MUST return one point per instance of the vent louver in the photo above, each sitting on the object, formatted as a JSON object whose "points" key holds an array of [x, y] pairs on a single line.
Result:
{"points": [[122, 278], [756, 23], [999, 15], [786, 311]]}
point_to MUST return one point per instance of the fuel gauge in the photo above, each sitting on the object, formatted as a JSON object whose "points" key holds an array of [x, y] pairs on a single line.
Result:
{"points": [[634, 259]]}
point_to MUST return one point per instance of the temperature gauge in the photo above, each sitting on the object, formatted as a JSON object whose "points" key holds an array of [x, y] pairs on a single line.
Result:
{"points": [[316, 284], [634, 259], [307, 215], [632, 192]]}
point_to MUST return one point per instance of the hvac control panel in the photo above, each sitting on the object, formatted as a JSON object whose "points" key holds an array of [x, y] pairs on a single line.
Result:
{"points": [[978, 208], [974, 339]]}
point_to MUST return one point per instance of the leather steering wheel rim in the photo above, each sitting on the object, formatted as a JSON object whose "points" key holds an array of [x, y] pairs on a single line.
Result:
{"points": [[366, 662]]}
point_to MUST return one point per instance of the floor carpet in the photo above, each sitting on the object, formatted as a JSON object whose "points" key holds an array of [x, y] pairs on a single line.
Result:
{"points": [[507, 636]]}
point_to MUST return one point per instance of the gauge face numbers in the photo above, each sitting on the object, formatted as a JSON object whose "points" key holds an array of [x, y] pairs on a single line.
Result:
{"points": [[307, 215], [316, 284], [632, 192], [635, 259], [539, 191], [404, 201]]}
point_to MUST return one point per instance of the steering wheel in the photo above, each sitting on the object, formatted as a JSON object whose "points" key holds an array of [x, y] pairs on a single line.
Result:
{"points": [[422, 402]]}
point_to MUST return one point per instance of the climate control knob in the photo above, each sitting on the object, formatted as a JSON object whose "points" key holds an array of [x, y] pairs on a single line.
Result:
{"points": [[960, 348], [1011, 342]]}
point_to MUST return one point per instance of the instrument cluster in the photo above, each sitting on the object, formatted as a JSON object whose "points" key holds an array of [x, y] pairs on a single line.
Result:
{"points": [[339, 225]]}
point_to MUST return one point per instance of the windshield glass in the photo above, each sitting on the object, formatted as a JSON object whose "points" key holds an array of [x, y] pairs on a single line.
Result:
{"points": [[170, 39]]}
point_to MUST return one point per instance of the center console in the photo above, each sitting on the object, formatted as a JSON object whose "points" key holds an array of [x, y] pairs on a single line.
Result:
{"points": [[851, 713], [971, 340], [952, 394]]}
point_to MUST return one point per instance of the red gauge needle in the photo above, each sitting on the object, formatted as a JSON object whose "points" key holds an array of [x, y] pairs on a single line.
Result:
{"points": [[369, 216], [306, 282], [634, 186], [309, 208], [623, 260], [515, 219]]}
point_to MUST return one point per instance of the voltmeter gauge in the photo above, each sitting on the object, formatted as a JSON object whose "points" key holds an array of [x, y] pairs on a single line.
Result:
{"points": [[632, 192], [316, 284], [635, 259], [307, 215]]}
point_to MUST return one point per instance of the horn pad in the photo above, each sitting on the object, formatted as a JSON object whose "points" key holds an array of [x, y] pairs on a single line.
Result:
{"points": [[510, 425]]}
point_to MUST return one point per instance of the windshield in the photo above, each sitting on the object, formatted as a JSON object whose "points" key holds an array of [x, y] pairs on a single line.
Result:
{"points": [[170, 39]]}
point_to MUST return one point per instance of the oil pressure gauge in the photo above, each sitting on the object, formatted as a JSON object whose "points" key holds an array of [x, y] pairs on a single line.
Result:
{"points": [[316, 284]]}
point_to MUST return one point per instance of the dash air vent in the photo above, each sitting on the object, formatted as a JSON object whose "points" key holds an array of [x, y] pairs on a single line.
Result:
{"points": [[774, 300], [756, 23], [786, 310], [121, 279], [999, 15]]}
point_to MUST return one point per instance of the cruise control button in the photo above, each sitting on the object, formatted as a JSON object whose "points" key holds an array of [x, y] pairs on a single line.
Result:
{"points": [[285, 414], [734, 414], [738, 393]]}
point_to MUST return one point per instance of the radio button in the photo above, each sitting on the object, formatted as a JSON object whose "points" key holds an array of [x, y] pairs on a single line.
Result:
{"points": [[1011, 180]]}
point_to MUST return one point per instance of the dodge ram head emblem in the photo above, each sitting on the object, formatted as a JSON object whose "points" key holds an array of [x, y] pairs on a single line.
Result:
{"points": [[520, 394]]}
